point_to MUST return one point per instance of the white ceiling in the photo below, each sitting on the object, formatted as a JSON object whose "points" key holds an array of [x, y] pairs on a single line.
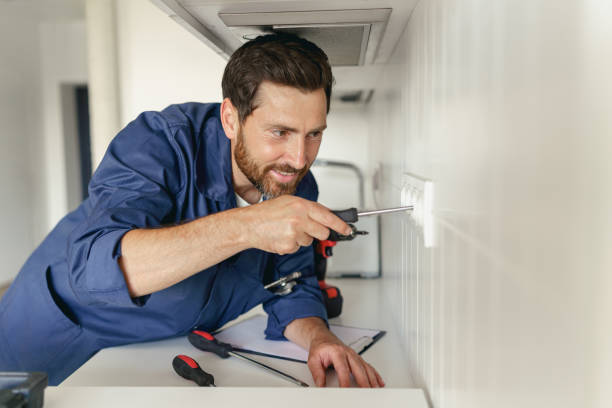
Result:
{"points": [[201, 18]]}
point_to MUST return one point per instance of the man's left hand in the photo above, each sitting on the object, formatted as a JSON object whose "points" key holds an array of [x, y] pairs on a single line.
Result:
{"points": [[329, 352], [326, 350]]}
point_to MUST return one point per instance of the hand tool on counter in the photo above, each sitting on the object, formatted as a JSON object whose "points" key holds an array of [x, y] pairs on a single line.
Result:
{"points": [[284, 285], [332, 297], [188, 368], [205, 341]]}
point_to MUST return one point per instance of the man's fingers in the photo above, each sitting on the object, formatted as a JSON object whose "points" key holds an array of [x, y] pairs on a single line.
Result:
{"points": [[316, 230], [345, 362], [318, 372], [359, 372], [372, 376], [379, 378], [304, 239], [342, 369]]}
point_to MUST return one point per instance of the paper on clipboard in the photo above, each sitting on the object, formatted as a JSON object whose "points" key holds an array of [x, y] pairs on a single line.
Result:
{"points": [[248, 336]]}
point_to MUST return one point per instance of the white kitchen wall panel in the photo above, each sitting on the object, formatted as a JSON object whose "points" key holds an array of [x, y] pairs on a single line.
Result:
{"points": [[506, 106], [32, 67]]}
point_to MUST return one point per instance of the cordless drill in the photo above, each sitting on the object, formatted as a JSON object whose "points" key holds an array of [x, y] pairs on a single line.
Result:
{"points": [[323, 250], [331, 294]]}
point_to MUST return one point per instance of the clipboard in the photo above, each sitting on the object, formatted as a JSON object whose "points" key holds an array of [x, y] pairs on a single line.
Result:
{"points": [[248, 336]]}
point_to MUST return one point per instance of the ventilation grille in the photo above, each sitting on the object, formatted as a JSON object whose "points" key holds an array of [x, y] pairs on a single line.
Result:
{"points": [[348, 37]]}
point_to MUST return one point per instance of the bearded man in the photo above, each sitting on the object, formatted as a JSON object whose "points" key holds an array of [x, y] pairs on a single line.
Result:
{"points": [[187, 211]]}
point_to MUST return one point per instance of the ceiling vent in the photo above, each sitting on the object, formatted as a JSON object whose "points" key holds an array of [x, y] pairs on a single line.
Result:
{"points": [[358, 41], [348, 37]]}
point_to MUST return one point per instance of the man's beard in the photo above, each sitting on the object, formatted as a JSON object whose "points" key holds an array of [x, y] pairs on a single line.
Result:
{"points": [[261, 178]]}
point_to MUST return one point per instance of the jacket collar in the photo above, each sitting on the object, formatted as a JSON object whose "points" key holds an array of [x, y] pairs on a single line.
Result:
{"points": [[214, 161]]}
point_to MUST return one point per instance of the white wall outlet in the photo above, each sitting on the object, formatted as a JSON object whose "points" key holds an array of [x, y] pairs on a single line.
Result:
{"points": [[419, 192]]}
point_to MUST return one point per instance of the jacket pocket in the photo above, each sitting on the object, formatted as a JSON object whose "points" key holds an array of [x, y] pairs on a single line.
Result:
{"points": [[34, 329]]}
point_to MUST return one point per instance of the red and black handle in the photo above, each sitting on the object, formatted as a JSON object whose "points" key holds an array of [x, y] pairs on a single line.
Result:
{"points": [[207, 342], [188, 368], [349, 215], [324, 248]]}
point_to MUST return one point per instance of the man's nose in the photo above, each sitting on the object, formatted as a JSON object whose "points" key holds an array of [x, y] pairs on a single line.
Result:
{"points": [[296, 152]]}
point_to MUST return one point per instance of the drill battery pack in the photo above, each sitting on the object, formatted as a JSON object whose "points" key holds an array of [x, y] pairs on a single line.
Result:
{"points": [[332, 299]]}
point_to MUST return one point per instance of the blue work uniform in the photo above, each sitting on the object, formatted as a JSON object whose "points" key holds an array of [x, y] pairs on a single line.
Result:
{"points": [[70, 298]]}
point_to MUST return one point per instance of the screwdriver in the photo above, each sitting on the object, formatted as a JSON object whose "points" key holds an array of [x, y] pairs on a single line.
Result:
{"points": [[352, 215], [207, 342], [187, 367]]}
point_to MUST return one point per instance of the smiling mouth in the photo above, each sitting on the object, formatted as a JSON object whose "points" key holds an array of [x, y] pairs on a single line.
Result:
{"points": [[284, 177]]}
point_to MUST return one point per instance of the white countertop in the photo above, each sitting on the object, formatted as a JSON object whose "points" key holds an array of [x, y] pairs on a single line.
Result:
{"points": [[149, 364], [153, 397]]}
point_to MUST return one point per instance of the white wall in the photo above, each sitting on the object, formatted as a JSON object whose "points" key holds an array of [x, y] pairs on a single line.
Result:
{"points": [[63, 62], [346, 140], [160, 63], [104, 103], [30, 181], [19, 125], [506, 106]]}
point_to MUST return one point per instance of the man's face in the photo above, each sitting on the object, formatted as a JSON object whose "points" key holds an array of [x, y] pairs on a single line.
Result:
{"points": [[280, 139]]}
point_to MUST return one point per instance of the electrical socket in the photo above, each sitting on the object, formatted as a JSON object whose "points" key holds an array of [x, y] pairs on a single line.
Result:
{"points": [[419, 193]]}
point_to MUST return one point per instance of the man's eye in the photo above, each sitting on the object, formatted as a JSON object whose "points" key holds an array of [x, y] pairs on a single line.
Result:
{"points": [[279, 132], [316, 135]]}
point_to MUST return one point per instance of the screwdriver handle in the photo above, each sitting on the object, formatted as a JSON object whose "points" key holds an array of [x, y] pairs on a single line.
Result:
{"points": [[187, 367], [207, 342], [348, 215]]}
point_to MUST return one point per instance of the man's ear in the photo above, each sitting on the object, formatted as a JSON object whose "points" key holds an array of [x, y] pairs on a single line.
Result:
{"points": [[229, 119]]}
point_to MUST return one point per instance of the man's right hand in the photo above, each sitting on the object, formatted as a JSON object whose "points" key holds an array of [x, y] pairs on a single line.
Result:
{"points": [[153, 259], [282, 225]]}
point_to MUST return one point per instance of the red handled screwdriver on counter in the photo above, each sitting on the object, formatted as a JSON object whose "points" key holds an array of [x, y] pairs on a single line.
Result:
{"points": [[187, 367], [207, 342]]}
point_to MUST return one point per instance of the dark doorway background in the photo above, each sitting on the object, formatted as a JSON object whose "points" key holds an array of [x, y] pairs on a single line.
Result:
{"points": [[82, 113]]}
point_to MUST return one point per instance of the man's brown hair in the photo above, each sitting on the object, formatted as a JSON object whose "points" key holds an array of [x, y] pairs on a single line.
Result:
{"points": [[279, 58]]}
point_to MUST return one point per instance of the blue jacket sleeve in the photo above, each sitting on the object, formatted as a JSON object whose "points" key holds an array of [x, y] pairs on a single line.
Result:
{"points": [[133, 187], [306, 299]]}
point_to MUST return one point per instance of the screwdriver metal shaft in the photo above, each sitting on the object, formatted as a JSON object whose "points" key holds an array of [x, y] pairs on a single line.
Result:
{"points": [[272, 370], [385, 211]]}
